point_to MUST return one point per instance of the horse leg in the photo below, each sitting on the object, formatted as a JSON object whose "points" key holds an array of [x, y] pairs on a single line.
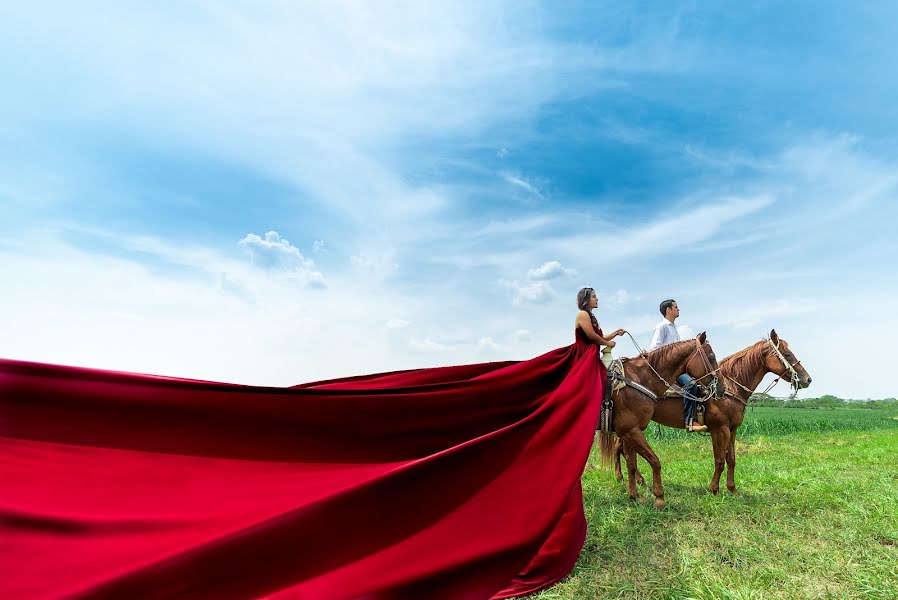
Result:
{"points": [[618, 473], [720, 438], [731, 464], [630, 455], [636, 440], [639, 478]]}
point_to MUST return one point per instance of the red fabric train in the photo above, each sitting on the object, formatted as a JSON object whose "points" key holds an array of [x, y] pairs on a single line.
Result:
{"points": [[454, 482]]}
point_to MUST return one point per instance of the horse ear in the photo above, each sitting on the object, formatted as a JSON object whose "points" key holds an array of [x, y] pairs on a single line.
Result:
{"points": [[702, 337], [773, 337]]}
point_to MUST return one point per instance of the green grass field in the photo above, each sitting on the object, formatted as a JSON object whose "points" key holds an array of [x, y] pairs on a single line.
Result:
{"points": [[817, 515]]}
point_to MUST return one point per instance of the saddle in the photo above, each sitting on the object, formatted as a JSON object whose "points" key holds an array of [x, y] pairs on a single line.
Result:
{"points": [[617, 380]]}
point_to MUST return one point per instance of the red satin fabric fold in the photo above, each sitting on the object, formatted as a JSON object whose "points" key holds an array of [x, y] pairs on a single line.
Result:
{"points": [[454, 482]]}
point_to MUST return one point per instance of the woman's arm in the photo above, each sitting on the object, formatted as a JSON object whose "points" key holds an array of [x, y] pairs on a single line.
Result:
{"points": [[585, 324]]}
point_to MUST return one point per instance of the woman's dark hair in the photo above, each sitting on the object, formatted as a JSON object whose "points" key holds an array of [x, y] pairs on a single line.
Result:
{"points": [[665, 305], [583, 297]]}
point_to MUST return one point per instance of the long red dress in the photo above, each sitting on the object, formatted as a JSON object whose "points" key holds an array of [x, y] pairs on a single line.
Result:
{"points": [[454, 482]]}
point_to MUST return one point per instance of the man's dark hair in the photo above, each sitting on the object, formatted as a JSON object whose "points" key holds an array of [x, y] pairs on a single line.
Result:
{"points": [[665, 305]]}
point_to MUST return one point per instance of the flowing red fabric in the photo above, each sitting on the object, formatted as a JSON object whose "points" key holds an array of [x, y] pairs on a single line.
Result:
{"points": [[454, 482]]}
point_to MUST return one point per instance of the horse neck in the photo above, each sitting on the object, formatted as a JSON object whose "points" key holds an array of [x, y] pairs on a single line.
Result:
{"points": [[674, 363], [751, 365]]}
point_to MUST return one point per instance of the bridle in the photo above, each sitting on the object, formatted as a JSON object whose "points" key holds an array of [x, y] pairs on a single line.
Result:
{"points": [[794, 378], [711, 372]]}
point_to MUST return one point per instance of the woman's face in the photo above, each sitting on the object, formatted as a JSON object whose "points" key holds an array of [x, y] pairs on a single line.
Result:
{"points": [[593, 301]]}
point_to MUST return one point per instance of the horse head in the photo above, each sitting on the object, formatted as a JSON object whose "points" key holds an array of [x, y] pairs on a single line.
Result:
{"points": [[703, 368], [780, 360]]}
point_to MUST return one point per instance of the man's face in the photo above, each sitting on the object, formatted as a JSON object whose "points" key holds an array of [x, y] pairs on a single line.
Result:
{"points": [[673, 312]]}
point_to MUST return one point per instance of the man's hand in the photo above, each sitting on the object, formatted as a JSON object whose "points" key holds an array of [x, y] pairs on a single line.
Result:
{"points": [[611, 343], [620, 332]]}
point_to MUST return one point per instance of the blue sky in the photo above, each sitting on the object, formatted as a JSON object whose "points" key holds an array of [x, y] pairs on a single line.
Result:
{"points": [[268, 193]]}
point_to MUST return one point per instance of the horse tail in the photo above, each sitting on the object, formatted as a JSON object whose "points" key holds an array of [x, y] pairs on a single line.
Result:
{"points": [[608, 447]]}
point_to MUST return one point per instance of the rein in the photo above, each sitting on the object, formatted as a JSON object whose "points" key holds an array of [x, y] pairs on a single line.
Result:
{"points": [[711, 372]]}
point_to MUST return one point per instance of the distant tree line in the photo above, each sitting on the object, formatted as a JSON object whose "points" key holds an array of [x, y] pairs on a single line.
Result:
{"points": [[826, 401]]}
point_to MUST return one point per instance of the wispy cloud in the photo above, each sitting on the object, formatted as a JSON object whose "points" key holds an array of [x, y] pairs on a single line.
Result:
{"points": [[750, 316], [675, 232], [518, 180]]}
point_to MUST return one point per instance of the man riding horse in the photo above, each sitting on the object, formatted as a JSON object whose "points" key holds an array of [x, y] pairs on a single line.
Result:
{"points": [[666, 333]]}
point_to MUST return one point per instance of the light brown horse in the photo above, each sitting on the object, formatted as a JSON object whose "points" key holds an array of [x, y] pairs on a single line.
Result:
{"points": [[741, 373], [633, 410]]}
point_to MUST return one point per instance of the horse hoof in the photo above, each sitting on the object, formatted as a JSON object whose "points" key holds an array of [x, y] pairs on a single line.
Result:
{"points": [[714, 490], [734, 492], [660, 503]]}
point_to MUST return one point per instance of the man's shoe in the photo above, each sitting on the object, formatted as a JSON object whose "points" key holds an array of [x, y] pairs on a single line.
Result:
{"points": [[696, 427]]}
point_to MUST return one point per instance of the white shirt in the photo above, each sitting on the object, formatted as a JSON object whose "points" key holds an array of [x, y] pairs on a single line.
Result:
{"points": [[665, 333]]}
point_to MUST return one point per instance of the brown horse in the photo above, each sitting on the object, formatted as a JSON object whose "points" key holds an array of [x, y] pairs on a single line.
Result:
{"points": [[741, 372], [633, 410]]}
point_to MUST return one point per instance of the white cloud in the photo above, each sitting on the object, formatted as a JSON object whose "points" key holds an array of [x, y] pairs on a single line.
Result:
{"points": [[427, 345], [486, 344], [396, 324], [537, 289], [381, 264], [615, 300], [530, 293], [229, 285], [272, 251], [319, 247], [522, 335], [275, 253], [538, 292], [550, 270]]}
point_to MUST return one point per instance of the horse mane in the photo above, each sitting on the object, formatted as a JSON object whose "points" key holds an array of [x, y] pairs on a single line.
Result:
{"points": [[659, 355], [744, 364]]}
